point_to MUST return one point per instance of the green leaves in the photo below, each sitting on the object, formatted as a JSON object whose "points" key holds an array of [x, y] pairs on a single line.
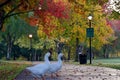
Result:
{"points": [[115, 15], [18, 27]]}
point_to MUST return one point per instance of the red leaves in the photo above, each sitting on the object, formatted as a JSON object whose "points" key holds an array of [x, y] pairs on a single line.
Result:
{"points": [[47, 11], [33, 21], [114, 24], [58, 9]]}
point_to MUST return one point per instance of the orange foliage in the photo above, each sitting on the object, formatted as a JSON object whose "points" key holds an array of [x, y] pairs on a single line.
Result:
{"points": [[33, 21]]}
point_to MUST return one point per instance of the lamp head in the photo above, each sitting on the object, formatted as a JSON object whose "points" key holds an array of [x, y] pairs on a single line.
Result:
{"points": [[30, 35], [90, 17], [39, 7]]}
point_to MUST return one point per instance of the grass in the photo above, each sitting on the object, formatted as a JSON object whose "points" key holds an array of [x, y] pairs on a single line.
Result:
{"points": [[111, 63], [114, 66], [108, 61], [9, 70]]}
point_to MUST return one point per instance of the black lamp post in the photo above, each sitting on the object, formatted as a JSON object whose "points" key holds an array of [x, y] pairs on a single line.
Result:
{"points": [[90, 18], [30, 37]]}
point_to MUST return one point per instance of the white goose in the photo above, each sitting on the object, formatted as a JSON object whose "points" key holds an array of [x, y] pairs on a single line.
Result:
{"points": [[55, 67], [39, 70]]}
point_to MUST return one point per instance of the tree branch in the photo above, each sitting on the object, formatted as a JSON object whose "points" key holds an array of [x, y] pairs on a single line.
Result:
{"points": [[13, 10], [17, 13]]}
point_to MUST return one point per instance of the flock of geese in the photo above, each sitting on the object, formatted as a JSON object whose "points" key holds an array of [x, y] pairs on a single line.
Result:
{"points": [[39, 70]]}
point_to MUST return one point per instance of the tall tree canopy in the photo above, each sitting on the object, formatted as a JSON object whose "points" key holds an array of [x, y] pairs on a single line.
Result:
{"points": [[48, 15], [64, 20]]}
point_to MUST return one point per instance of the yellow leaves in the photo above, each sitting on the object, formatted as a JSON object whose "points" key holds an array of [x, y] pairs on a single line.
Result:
{"points": [[61, 0], [7, 9], [26, 5], [75, 29], [102, 35], [78, 10], [79, 7], [40, 31], [98, 8], [33, 3], [81, 1], [62, 39], [50, 27], [102, 32], [78, 32]]}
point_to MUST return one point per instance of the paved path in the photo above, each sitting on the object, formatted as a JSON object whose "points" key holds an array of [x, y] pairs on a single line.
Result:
{"points": [[79, 72]]}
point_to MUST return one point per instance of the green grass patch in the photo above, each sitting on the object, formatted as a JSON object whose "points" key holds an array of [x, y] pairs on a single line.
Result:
{"points": [[110, 63], [9, 70], [107, 61], [114, 66]]}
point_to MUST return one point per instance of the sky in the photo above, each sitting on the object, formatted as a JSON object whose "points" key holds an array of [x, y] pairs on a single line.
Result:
{"points": [[113, 5]]}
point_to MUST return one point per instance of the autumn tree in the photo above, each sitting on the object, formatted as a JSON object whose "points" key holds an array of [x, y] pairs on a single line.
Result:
{"points": [[15, 7], [103, 33], [48, 14], [51, 21], [48, 17], [111, 11]]}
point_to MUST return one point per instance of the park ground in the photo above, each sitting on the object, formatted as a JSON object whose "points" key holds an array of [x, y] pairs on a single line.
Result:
{"points": [[100, 69], [78, 72]]}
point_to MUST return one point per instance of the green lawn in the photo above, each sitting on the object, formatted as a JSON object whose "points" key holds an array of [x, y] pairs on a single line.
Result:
{"points": [[9, 70], [111, 63], [107, 61]]}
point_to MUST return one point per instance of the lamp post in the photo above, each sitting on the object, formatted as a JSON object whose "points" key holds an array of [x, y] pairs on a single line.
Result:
{"points": [[30, 37], [90, 37]]}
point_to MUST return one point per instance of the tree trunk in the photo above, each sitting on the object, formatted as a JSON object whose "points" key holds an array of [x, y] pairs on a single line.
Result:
{"points": [[9, 49], [35, 55], [69, 51], [76, 54], [10, 42], [8, 54], [14, 56], [106, 55]]}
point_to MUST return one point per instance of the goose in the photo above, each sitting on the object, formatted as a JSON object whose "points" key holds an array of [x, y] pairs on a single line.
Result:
{"points": [[55, 67], [40, 70]]}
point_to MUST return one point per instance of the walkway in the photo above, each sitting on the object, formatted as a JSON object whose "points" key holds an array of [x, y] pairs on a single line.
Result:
{"points": [[79, 72]]}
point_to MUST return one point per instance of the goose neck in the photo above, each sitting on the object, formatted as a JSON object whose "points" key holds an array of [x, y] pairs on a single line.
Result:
{"points": [[59, 59], [46, 59]]}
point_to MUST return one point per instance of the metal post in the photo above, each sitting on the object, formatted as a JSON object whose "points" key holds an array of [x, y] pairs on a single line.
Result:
{"points": [[90, 41], [31, 49], [90, 52], [30, 43], [30, 37]]}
